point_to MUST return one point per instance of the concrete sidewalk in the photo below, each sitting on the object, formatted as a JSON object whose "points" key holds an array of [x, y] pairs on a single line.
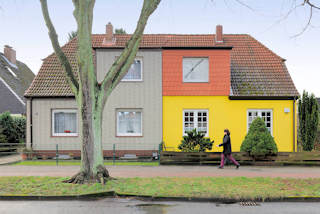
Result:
{"points": [[10, 159], [167, 171]]}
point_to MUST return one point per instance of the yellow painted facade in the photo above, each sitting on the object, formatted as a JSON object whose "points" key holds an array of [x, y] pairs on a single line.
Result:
{"points": [[225, 113]]}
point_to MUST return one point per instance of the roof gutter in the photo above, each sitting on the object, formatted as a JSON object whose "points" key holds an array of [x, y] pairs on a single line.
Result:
{"points": [[294, 125], [174, 48], [29, 96], [31, 125], [263, 97]]}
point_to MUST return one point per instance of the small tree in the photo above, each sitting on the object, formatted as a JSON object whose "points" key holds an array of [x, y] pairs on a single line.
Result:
{"points": [[72, 35], [195, 141], [308, 120], [120, 31], [258, 141]]}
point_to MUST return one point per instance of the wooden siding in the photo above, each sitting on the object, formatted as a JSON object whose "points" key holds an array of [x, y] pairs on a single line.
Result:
{"points": [[145, 95], [42, 138]]}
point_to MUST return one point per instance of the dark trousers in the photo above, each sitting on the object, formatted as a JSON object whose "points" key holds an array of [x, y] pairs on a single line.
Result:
{"points": [[229, 157]]}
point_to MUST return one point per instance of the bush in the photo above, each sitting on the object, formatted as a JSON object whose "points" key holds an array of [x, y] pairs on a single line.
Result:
{"points": [[20, 125], [3, 138], [259, 142], [13, 128], [195, 141], [308, 120]]}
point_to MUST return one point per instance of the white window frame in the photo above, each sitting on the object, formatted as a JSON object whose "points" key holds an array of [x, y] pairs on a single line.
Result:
{"points": [[259, 115], [196, 80], [136, 80], [128, 134], [195, 119], [64, 111]]}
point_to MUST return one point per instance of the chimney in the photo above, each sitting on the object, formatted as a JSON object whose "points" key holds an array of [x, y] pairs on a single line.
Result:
{"points": [[109, 39], [219, 34], [10, 54]]}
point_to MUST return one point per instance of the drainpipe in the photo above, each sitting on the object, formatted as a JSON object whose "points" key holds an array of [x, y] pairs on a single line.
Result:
{"points": [[31, 141], [294, 124]]}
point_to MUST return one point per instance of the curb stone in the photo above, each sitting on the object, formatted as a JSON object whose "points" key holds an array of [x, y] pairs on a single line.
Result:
{"points": [[100, 195]]}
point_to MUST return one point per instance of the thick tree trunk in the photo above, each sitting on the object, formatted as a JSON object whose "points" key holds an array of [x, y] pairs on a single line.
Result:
{"points": [[92, 167]]}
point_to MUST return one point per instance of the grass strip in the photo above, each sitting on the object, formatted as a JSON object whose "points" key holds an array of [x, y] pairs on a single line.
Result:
{"points": [[77, 163], [202, 187]]}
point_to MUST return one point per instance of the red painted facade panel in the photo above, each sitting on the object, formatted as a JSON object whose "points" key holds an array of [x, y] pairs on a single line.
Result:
{"points": [[219, 73]]}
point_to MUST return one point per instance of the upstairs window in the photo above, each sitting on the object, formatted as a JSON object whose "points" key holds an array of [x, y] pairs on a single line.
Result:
{"points": [[64, 122], [195, 69], [135, 71]]}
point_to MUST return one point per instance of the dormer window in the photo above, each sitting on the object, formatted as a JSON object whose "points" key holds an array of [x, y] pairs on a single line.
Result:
{"points": [[195, 69]]}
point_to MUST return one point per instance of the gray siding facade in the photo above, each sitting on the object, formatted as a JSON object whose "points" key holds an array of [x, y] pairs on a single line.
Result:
{"points": [[145, 95]]}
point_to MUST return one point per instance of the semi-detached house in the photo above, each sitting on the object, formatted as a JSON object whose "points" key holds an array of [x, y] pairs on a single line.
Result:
{"points": [[177, 82]]}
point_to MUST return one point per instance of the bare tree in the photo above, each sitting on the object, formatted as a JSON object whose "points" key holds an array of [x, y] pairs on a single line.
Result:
{"points": [[312, 7], [91, 96]]}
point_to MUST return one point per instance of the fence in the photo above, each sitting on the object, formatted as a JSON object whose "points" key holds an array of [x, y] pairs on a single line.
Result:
{"points": [[57, 155], [214, 158], [11, 148]]}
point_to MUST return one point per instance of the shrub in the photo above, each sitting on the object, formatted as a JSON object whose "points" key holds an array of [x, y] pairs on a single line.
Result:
{"points": [[195, 141], [308, 120], [3, 138], [7, 123], [259, 142], [20, 125], [13, 127]]}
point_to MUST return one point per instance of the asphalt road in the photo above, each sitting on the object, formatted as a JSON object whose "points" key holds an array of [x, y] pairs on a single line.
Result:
{"points": [[128, 206]]}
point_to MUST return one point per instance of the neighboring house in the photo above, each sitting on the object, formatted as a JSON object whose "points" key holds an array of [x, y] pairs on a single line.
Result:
{"points": [[15, 78], [177, 83]]}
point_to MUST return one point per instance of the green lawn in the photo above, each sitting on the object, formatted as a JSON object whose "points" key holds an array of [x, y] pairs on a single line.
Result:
{"points": [[75, 163], [212, 187]]}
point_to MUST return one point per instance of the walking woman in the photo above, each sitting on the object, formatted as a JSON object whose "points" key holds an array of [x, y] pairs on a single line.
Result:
{"points": [[227, 150]]}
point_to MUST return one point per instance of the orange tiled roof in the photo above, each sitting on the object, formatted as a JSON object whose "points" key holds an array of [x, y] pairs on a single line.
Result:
{"points": [[255, 70]]}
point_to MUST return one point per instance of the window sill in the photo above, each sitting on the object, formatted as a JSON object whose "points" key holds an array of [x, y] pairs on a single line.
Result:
{"points": [[65, 135], [129, 136]]}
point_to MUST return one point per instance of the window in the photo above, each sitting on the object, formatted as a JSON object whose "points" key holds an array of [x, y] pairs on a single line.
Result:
{"points": [[195, 119], [266, 115], [64, 122], [135, 71], [195, 70], [129, 123]]}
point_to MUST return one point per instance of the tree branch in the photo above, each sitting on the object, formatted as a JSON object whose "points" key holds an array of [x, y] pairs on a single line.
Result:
{"points": [[57, 49], [121, 66], [306, 26], [311, 4]]}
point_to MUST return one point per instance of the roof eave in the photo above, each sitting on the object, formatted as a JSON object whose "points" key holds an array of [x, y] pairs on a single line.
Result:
{"points": [[174, 48], [263, 97]]}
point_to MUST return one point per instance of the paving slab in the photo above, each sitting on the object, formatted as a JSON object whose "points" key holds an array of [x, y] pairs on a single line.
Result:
{"points": [[167, 171], [8, 159]]}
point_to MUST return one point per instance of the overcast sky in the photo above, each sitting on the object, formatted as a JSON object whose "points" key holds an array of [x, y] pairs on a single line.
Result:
{"points": [[23, 28]]}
